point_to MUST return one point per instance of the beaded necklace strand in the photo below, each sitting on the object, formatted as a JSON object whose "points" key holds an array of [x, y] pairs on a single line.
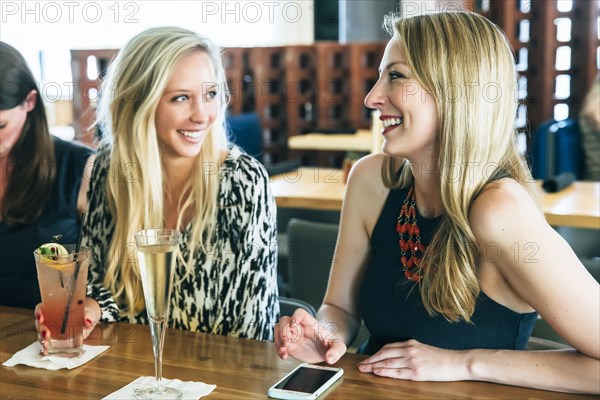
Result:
{"points": [[411, 248]]}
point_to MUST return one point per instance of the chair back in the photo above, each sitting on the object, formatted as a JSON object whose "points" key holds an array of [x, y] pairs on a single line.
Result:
{"points": [[245, 130], [556, 148], [544, 337], [310, 251], [288, 305]]}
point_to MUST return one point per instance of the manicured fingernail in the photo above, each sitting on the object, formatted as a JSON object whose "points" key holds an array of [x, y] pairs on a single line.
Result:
{"points": [[88, 321], [38, 317], [44, 333]]}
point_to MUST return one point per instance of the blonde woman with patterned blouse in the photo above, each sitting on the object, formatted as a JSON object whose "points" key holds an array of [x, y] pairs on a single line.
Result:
{"points": [[165, 162]]}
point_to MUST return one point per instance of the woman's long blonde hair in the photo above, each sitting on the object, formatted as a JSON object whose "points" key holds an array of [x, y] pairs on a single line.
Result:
{"points": [[135, 186], [466, 63]]}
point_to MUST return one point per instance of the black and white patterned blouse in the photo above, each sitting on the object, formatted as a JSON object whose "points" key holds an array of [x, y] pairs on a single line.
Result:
{"points": [[233, 290]]}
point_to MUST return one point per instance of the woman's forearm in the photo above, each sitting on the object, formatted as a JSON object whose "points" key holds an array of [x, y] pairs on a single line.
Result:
{"points": [[338, 322], [558, 370]]}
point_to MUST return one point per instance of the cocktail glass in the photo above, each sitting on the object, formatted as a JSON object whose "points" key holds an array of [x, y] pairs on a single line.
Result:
{"points": [[63, 279], [157, 252]]}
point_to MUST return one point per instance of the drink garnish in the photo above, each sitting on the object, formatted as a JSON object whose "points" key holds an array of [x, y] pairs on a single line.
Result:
{"points": [[52, 252]]}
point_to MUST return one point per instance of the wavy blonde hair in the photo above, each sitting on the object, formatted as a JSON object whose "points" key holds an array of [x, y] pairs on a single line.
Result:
{"points": [[135, 186], [466, 63]]}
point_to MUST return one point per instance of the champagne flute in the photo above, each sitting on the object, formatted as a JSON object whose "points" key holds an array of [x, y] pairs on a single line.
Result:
{"points": [[157, 249]]}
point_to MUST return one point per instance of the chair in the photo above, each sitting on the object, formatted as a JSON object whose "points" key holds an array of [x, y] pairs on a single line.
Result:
{"points": [[245, 130], [309, 252], [544, 337], [310, 255], [556, 148], [284, 215], [287, 306]]}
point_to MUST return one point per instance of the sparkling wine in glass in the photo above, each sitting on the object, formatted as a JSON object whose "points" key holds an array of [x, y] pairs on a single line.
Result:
{"points": [[157, 249]]}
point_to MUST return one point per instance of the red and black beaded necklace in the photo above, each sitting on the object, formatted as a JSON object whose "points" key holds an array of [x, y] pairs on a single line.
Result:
{"points": [[411, 248]]}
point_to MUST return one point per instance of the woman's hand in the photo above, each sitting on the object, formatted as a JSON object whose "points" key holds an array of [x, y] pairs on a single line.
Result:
{"points": [[91, 317], [415, 361], [304, 338]]}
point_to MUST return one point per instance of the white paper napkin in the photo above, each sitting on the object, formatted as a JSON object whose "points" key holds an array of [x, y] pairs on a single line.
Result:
{"points": [[31, 356], [191, 390]]}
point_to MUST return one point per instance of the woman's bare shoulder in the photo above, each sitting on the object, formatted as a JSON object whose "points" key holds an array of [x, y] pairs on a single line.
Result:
{"points": [[366, 192], [368, 170], [503, 206]]}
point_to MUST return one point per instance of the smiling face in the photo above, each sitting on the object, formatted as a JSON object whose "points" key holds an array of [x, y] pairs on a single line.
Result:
{"points": [[407, 112], [12, 122], [188, 107]]}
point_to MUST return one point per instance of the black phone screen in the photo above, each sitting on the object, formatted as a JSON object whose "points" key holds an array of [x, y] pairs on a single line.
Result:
{"points": [[306, 380]]}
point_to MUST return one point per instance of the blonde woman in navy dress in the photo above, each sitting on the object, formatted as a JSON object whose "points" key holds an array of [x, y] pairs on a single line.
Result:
{"points": [[442, 249]]}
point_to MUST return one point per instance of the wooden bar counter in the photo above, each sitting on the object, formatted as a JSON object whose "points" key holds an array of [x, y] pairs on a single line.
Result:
{"points": [[242, 369]]}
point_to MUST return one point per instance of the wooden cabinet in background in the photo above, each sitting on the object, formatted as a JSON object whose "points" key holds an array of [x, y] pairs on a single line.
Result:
{"points": [[556, 47], [364, 72], [333, 87]]}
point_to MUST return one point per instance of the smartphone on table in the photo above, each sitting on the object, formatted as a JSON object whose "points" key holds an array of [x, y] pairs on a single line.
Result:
{"points": [[306, 381]]}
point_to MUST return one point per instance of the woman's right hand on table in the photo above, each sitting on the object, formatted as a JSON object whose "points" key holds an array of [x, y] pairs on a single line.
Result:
{"points": [[91, 317], [304, 338]]}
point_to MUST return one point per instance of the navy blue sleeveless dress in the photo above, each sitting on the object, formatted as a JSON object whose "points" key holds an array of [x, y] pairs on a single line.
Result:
{"points": [[18, 277], [393, 312]]}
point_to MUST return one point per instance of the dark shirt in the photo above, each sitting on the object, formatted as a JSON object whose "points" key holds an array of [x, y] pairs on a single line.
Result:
{"points": [[392, 309], [18, 277]]}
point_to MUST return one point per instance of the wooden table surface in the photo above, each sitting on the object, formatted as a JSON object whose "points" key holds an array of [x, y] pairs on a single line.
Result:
{"points": [[577, 206], [310, 188], [362, 141], [242, 369], [323, 189]]}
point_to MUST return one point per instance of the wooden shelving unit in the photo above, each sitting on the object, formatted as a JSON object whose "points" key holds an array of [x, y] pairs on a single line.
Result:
{"points": [[268, 72], [239, 76], [301, 89], [532, 30], [333, 87], [364, 72]]}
